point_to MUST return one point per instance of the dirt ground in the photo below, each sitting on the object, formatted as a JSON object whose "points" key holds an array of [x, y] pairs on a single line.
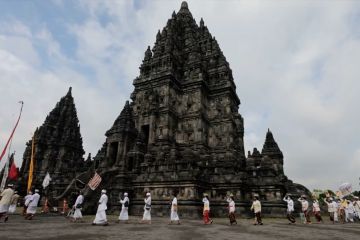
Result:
{"points": [[52, 227]]}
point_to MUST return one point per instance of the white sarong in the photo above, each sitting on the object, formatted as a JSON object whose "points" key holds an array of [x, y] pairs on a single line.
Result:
{"points": [[12, 208], [124, 215], [147, 215], [31, 210], [4, 208], [174, 216], [77, 213], [100, 217]]}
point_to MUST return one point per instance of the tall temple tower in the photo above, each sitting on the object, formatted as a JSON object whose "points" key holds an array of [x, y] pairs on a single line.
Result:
{"points": [[58, 148], [183, 132]]}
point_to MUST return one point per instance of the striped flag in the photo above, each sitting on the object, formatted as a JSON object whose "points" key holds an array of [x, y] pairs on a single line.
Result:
{"points": [[94, 181]]}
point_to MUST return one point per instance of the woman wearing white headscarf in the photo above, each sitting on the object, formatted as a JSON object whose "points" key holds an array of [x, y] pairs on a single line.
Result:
{"points": [[124, 214], [100, 218], [147, 209]]}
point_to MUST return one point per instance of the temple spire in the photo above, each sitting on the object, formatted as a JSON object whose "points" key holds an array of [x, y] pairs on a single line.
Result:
{"points": [[201, 23], [69, 92], [270, 147]]}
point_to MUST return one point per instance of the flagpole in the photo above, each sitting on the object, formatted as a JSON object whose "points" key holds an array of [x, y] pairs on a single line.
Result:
{"points": [[5, 176], [12, 133], [31, 167], [6, 169]]}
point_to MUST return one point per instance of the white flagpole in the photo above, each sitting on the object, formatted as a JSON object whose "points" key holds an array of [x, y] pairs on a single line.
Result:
{"points": [[5, 176]]}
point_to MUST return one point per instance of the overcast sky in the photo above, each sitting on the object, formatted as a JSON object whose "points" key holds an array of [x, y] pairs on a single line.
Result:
{"points": [[296, 65]]}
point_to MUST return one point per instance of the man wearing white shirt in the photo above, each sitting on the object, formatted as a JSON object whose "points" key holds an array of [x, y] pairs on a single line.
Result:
{"points": [[332, 208], [147, 209], [174, 217], [27, 199], [256, 207], [32, 206], [290, 209], [5, 200], [124, 214], [100, 218], [356, 204]]}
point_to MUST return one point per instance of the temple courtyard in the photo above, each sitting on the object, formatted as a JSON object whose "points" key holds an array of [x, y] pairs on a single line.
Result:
{"points": [[52, 227]]}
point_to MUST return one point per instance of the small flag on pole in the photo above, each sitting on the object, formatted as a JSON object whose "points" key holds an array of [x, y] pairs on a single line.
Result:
{"points": [[47, 180], [94, 181], [13, 172]]}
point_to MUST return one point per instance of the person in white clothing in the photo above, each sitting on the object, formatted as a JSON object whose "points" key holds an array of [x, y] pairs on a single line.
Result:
{"points": [[332, 208], [231, 207], [77, 207], [5, 201], [305, 209], [100, 218], [290, 209], [32, 206], [351, 211], [337, 208], [14, 201], [124, 214], [147, 209], [174, 217], [356, 204], [256, 207], [206, 210], [27, 199], [316, 211]]}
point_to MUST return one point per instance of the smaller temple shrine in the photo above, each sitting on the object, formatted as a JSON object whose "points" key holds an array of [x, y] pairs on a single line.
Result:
{"points": [[58, 149]]}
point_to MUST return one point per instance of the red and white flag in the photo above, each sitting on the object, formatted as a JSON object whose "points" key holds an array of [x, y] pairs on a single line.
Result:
{"points": [[94, 181]]}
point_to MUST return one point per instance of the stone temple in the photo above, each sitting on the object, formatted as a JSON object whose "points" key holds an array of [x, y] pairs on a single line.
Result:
{"points": [[58, 149], [181, 132]]}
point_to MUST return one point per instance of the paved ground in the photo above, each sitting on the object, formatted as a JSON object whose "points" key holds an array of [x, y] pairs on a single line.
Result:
{"points": [[59, 228]]}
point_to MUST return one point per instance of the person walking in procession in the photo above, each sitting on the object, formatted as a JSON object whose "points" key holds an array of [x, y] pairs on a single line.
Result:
{"points": [[206, 210], [32, 206], [5, 201], [305, 209], [332, 208], [351, 211], [77, 207], [231, 207], [100, 218], [356, 204], [174, 217], [316, 211], [290, 209], [147, 209], [342, 207], [124, 213], [256, 207], [27, 199], [14, 201]]}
